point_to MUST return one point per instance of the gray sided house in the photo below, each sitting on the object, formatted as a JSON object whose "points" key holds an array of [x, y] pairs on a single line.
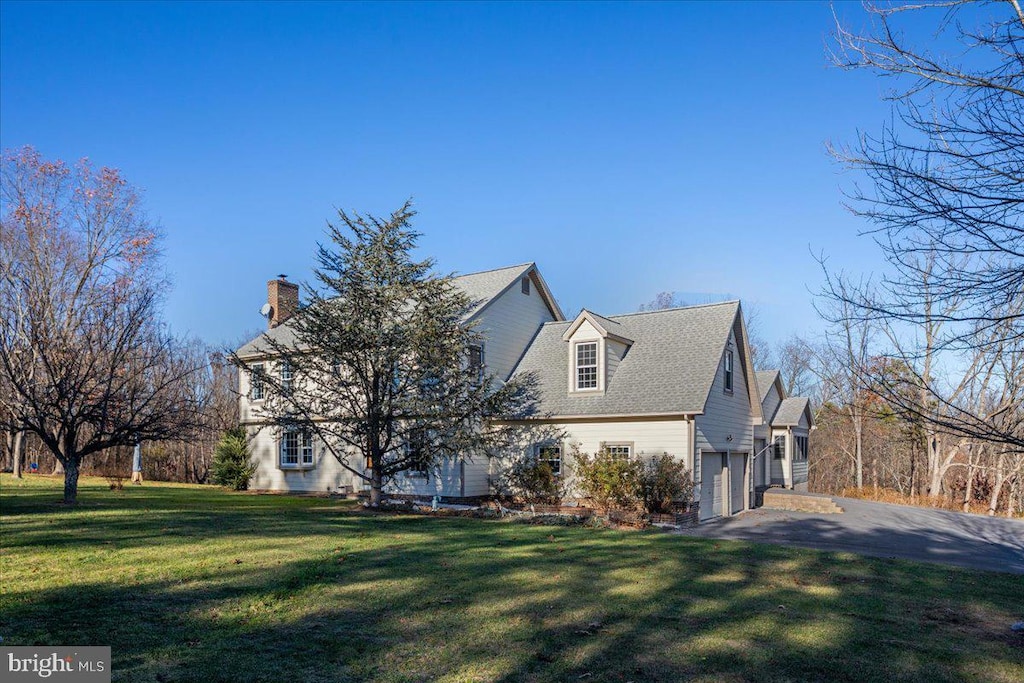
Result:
{"points": [[781, 440], [677, 381]]}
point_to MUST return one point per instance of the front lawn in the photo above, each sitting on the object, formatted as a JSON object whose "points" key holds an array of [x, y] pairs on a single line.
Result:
{"points": [[190, 583]]}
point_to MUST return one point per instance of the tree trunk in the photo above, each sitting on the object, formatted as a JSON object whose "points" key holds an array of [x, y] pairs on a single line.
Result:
{"points": [[1009, 501], [376, 486], [969, 488], [858, 433], [993, 502], [874, 472], [18, 453], [71, 481], [58, 468]]}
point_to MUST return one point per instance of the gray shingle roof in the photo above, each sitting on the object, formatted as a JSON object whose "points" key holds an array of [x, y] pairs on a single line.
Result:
{"points": [[481, 288], [669, 368], [790, 411], [765, 380], [608, 324]]}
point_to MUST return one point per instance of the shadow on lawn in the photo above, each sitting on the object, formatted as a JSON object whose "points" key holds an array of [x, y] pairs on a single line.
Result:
{"points": [[476, 600]]}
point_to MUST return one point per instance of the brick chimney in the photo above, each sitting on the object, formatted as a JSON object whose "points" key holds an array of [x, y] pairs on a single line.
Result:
{"points": [[283, 297]]}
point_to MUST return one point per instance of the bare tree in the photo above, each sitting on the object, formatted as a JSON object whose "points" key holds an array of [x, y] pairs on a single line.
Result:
{"points": [[84, 360], [947, 177], [843, 359], [379, 367], [946, 197], [795, 363], [663, 300]]}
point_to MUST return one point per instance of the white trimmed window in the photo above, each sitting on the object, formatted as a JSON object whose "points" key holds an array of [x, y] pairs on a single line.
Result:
{"points": [[586, 365], [728, 371], [256, 382], [779, 448], [524, 285], [550, 454], [619, 451], [296, 448], [415, 450], [287, 377]]}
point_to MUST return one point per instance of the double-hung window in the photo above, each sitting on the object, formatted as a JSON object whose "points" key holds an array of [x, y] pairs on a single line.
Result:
{"points": [[779, 448], [296, 448], [416, 451], [256, 382], [552, 456], [287, 377], [619, 451], [586, 365]]}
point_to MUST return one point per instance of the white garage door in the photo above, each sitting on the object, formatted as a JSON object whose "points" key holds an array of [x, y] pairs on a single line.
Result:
{"points": [[710, 485], [737, 481]]}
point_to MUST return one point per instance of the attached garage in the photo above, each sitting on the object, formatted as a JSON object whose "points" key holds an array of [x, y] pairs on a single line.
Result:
{"points": [[737, 482], [711, 493]]}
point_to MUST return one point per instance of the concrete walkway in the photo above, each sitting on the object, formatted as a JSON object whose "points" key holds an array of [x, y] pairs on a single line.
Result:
{"points": [[883, 530]]}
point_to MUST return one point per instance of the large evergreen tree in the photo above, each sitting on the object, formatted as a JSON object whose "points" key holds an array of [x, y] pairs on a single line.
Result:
{"points": [[379, 374]]}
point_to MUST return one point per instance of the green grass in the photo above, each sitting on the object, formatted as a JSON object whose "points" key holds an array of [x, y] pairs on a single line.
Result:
{"points": [[190, 583]]}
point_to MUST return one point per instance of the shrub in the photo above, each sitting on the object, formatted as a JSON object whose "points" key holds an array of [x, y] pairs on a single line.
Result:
{"points": [[533, 481], [231, 465], [607, 480], [663, 483]]}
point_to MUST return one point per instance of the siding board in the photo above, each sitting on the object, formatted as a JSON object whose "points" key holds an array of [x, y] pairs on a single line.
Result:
{"points": [[508, 325], [727, 414]]}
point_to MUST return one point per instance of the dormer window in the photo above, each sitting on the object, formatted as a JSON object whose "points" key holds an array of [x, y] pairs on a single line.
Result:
{"points": [[595, 347], [728, 371], [586, 365]]}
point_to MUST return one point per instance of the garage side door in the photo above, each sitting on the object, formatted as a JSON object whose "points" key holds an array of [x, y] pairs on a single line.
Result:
{"points": [[711, 485], [737, 490]]}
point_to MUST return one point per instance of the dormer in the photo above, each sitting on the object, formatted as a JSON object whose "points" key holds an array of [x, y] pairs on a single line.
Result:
{"points": [[595, 347]]}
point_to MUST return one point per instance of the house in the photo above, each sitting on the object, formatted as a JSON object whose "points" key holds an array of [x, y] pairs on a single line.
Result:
{"points": [[510, 304], [781, 439], [677, 381]]}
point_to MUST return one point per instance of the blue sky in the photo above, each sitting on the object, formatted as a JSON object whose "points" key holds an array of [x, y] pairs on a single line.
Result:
{"points": [[626, 148]]}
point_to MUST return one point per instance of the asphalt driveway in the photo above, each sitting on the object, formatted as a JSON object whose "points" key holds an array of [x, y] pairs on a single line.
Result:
{"points": [[883, 530]]}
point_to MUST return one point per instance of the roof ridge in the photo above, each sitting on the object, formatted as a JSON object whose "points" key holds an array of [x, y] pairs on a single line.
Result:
{"points": [[494, 270], [595, 313], [674, 308]]}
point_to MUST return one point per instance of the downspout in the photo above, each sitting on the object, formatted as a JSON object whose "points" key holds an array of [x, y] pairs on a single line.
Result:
{"points": [[788, 473]]}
